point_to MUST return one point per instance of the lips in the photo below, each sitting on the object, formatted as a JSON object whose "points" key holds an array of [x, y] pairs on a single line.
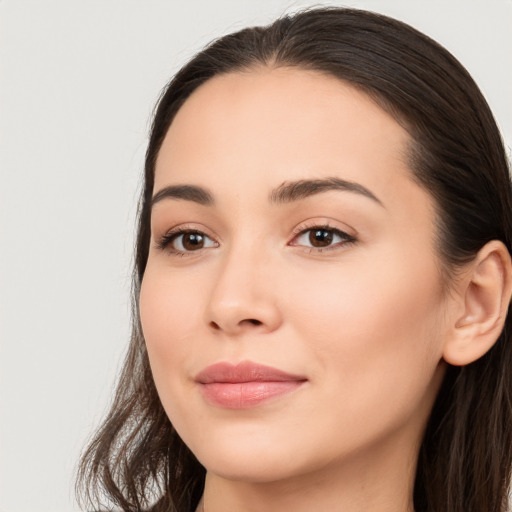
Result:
{"points": [[245, 385]]}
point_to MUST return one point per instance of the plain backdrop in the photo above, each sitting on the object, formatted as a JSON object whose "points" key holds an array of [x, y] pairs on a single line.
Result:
{"points": [[78, 81]]}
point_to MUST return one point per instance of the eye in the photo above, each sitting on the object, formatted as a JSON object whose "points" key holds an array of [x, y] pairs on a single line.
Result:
{"points": [[322, 237], [184, 241]]}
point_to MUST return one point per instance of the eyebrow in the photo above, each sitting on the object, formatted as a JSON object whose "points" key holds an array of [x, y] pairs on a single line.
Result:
{"points": [[287, 192], [296, 190], [185, 192]]}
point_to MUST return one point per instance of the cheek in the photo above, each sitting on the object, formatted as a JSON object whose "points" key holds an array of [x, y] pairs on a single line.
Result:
{"points": [[364, 302], [376, 330], [169, 312]]}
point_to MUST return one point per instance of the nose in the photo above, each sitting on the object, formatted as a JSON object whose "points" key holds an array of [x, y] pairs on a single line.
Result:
{"points": [[244, 296]]}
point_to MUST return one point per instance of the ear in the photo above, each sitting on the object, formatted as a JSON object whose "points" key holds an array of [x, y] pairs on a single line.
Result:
{"points": [[484, 297]]}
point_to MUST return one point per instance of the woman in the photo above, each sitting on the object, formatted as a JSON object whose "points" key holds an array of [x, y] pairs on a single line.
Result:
{"points": [[321, 286]]}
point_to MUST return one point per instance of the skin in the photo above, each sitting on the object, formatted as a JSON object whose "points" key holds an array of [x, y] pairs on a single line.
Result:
{"points": [[365, 321]]}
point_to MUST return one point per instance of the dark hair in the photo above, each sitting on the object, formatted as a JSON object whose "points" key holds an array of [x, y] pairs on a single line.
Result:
{"points": [[137, 459]]}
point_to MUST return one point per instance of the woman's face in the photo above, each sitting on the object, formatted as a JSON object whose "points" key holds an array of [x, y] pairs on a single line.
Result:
{"points": [[292, 304]]}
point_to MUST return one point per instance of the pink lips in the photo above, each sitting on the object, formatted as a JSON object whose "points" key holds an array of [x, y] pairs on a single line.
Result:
{"points": [[245, 385]]}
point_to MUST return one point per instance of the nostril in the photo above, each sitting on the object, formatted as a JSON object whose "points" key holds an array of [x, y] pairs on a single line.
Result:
{"points": [[246, 322]]}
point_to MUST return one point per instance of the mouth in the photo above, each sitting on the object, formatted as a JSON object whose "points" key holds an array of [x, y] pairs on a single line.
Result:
{"points": [[245, 385]]}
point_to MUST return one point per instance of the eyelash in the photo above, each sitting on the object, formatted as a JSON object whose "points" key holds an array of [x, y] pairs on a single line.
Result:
{"points": [[303, 230], [165, 242]]}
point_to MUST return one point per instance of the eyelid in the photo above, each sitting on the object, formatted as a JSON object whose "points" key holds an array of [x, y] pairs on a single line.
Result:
{"points": [[164, 241], [326, 225]]}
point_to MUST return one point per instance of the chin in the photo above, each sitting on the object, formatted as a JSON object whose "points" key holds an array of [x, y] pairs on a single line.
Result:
{"points": [[250, 455], [249, 466]]}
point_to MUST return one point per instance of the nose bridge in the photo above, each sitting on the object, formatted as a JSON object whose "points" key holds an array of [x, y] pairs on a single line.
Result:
{"points": [[242, 296]]}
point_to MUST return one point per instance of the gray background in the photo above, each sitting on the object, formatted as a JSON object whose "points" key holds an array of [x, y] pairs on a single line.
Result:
{"points": [[77, 85]]}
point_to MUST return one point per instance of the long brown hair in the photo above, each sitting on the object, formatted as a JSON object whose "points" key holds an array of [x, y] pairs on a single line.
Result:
{"points": [[137, 460]]}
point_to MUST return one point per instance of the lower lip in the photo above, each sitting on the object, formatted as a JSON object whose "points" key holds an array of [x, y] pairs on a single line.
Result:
{"points": [[243, 395]]}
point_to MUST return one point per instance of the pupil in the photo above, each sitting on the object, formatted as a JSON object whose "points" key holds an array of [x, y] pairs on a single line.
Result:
{"points": [[193, 241], [320, 238]]}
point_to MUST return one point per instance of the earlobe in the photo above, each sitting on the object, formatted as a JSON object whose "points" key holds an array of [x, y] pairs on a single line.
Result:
{"points": [[485, 296]]}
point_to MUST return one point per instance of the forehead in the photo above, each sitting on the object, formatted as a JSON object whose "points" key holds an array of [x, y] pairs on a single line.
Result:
{"points": [[262, 127]]}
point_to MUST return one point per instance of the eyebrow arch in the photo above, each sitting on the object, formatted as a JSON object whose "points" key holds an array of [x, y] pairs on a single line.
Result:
{"points": [[193, 193], [296, 190], [287, 192]]}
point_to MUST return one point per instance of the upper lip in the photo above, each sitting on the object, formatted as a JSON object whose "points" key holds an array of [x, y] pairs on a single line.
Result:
{"points": [[246, 371]]}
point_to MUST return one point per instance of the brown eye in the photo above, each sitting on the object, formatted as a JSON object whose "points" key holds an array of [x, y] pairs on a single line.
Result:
{"points": [[187, 241], [192, 241], [321, 237]]}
